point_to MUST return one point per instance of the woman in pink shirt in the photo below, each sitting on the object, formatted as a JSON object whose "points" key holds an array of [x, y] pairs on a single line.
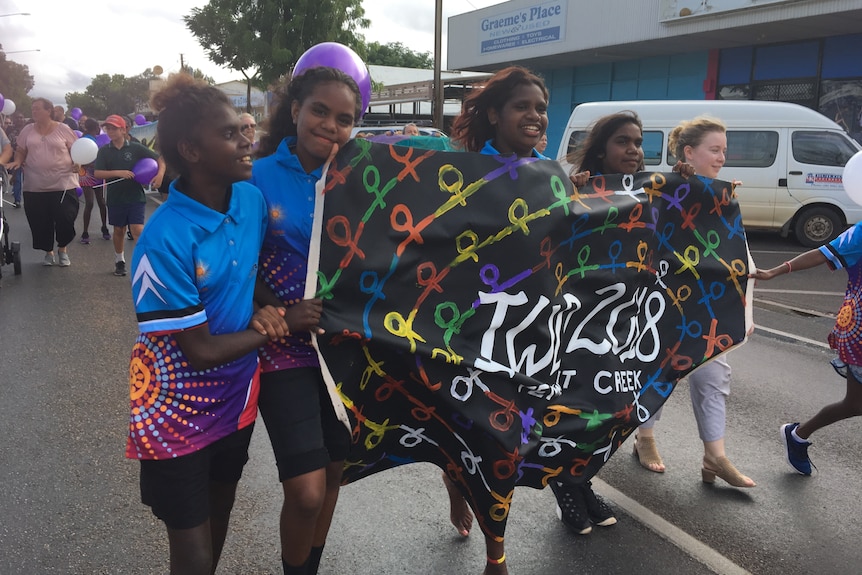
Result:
{"points": [[50, 182]]}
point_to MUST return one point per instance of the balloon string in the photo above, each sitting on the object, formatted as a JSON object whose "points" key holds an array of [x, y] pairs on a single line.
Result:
{"points": [[106, 184]]}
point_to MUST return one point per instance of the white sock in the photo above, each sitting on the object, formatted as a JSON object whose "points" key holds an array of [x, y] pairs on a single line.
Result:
{"points": [[120, 257], [797, 438]]}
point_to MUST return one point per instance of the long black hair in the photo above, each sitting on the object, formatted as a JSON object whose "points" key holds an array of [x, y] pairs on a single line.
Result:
{"points": [[280, 124], [591, 156], [472, 128]]}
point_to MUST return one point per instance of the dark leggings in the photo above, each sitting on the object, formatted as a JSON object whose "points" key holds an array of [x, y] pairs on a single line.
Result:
{"points": [[51, 215]]}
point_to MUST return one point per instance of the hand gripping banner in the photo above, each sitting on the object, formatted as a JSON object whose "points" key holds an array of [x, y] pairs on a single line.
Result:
{"points": [[483, 315]]}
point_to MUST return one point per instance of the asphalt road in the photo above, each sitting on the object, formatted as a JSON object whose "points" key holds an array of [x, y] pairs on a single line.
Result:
{"points": [[69, 500]]}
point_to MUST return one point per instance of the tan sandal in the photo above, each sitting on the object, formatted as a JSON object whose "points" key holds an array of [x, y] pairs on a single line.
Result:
{"points": [[647, 453], [722, 467]]}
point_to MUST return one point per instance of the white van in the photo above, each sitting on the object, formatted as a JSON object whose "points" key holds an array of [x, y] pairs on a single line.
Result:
{"points": [[789, 158]]}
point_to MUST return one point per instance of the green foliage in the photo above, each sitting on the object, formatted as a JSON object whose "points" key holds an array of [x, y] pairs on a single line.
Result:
{"points": [[112, 94], [397, 54], [15, 83], [198, 74], [262, 39]]}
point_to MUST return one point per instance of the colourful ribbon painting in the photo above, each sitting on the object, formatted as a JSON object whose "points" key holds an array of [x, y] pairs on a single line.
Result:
{"points": [[483, 315]]}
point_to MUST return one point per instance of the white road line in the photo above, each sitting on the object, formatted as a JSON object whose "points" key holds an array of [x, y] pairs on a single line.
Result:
{"points": [[798, 291], [696, 549], [798, 338]]}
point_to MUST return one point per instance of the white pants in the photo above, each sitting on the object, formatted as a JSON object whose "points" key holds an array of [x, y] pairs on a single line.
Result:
{"points": [[708, 386]]}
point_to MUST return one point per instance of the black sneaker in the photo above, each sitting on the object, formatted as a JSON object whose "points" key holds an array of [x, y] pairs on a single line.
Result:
{"points": [[120, 269], [106, 235], [598, 511], [85, 238], [571, 507], [797, 453]]}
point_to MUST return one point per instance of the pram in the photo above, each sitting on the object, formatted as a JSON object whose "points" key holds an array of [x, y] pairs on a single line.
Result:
{"points": [[10, 253]]}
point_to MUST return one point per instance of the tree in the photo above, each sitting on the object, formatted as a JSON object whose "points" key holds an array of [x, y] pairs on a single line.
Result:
{"points": [[397, 54], [198, 74], [115, 94], [262, 39], [15, 83]]}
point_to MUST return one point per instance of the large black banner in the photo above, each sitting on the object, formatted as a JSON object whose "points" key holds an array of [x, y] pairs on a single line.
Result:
{"points": [[483, 315]]}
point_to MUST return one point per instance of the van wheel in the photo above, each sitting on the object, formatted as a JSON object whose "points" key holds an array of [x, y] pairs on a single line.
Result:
{"points": [[817, 226]]}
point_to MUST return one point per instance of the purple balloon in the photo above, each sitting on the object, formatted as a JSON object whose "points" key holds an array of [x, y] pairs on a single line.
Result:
{"points": [[335, 55], [79, 191], [145, 170], [103, 139], [2, 101], [76, 113], [140, 120], [78, 133]]}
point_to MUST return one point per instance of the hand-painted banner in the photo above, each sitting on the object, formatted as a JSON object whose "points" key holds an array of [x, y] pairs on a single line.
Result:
{"points": [[483, 315]]}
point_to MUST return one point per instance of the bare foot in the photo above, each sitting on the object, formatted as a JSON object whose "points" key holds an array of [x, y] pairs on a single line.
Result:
{"points": [[459, 512]]}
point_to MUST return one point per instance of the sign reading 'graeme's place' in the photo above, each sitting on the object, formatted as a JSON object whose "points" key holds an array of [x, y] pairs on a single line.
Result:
{"points": [[529, 26]]}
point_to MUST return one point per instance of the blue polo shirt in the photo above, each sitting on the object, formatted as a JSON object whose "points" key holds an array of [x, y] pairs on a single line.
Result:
{"points": [[289, 193], [489, 150], [193, 266], [845, 252]]}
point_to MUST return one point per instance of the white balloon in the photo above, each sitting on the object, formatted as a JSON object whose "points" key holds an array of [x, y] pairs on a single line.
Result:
{"points": [[8, 108], [84, 151], [852, 178]]}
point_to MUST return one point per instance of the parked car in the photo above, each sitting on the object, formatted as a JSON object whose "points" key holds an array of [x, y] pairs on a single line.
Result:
{"points": [[789, 158], [381, 130]]}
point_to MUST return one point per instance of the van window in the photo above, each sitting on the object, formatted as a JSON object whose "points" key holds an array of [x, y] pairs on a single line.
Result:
{"points": [[747, 149], [652, 145], [822, 148], [652, 148]]}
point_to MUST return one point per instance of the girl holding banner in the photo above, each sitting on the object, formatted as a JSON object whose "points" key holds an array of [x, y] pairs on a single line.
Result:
{"points": [[702, 143], [510, 116], [314, 118]]}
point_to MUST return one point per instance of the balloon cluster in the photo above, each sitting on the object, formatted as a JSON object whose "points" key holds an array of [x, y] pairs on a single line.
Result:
{"points": [[85, 150], [339, 56], [7, 106]]}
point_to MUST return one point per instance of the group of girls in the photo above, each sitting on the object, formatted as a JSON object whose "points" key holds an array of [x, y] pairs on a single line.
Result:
{"points": [[202, 141]]}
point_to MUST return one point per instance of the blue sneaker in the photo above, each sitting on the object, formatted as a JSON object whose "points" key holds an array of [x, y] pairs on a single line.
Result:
{"points": [[797, 453]]}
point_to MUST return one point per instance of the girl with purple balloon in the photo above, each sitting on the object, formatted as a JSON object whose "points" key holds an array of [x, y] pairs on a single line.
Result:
{"points": [[93, 187], [314, 117], [127, 167]]}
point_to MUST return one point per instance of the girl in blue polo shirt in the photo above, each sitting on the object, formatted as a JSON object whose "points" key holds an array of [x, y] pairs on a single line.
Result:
{"points": [[844, 252], [194, 369], [314, 117], [509, 115]]}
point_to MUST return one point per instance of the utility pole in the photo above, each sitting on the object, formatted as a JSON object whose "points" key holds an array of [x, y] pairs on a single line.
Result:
{"points": [[438, 85], [182, 64]]}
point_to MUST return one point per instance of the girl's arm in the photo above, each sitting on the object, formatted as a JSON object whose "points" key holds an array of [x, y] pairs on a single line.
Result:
{"points": [[6, 155], [809, 259], [205, 350], [110, 174], [301, 316]]}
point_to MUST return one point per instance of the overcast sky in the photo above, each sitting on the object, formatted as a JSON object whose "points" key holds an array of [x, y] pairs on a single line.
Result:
{"points": [[79, 40]]}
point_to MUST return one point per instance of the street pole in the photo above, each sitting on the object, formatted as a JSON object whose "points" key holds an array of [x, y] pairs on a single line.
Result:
{"points": [[438, 85]]}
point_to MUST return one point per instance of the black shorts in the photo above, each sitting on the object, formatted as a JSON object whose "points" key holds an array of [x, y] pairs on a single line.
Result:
{"points": [[177, 490], [304, 431]]}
